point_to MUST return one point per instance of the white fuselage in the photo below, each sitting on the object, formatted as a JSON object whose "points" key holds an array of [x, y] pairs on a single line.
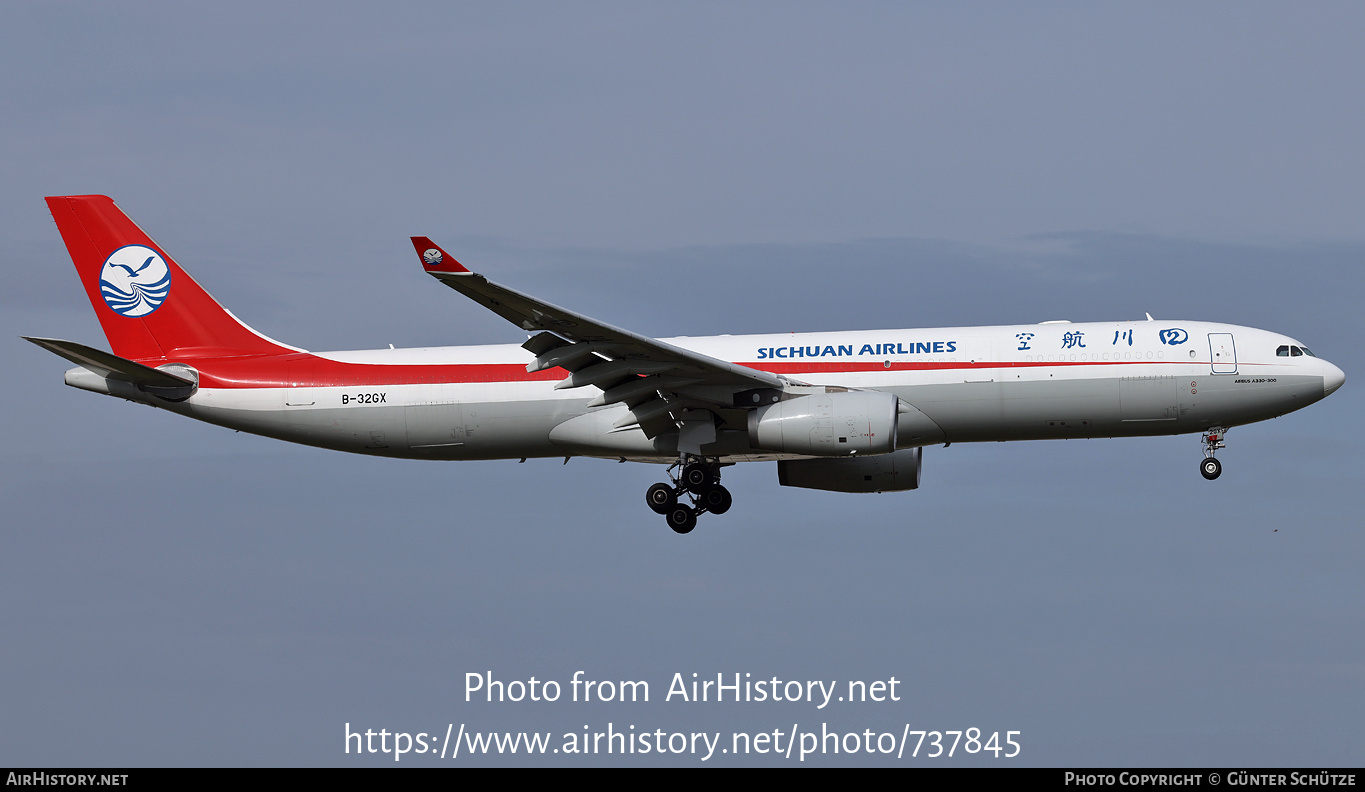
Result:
{"points": [[965, 384]]}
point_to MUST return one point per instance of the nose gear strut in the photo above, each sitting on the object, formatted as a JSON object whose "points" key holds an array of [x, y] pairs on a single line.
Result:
{"points": [[1211, 468]]}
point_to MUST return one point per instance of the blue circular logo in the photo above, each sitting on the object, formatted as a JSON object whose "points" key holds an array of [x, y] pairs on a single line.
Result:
{"points": [[134, 281], [1173, 336]]}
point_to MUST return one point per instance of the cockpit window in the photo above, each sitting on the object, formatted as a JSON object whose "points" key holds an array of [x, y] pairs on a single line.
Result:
{"points": [[1308, 352], [1283, 351], [1295, 352]]}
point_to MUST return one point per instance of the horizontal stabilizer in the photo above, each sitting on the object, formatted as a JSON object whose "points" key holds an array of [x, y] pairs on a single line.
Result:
{"points": [[111, 366]]}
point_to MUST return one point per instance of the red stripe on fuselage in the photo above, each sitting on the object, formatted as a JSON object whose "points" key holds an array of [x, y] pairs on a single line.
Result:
{"points": [[820, 368], [305, 370]]}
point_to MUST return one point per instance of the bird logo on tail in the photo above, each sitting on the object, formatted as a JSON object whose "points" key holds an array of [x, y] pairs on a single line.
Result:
{"points": [[135, 281]]}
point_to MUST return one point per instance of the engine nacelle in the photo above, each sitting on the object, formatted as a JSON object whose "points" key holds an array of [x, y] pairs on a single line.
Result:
{"points": [[833, 423], [883, 473]]}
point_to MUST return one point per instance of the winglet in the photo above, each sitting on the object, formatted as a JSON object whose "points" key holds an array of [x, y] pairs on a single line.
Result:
{"points": [[434, 259]]}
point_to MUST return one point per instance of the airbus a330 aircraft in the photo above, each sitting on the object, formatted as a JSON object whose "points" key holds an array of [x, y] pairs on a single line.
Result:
{"points": [[840, 411]]}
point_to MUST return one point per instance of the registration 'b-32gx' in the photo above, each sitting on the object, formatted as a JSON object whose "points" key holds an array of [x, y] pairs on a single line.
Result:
{"points": [[840, 411]]}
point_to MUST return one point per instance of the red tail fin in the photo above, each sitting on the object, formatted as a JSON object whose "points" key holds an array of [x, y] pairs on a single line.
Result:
{"points": [[148, 306]]}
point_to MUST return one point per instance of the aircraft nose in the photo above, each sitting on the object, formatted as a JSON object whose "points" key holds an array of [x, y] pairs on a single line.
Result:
{"points": [[1332, 379]]}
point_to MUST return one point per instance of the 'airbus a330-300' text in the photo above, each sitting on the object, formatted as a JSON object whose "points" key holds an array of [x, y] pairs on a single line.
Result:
{"points": [[840, 411]]}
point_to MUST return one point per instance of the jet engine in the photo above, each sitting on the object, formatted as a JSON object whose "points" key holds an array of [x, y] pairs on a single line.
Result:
{"points": [[882, 473], [834, 423]]}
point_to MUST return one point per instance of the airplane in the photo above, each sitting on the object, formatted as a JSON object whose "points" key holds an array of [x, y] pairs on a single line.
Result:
{"points": [[837, 411]]}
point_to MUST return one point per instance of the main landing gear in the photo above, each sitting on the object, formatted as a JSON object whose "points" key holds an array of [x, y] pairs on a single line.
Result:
{"points": [[699, 481], [1211, 468]]}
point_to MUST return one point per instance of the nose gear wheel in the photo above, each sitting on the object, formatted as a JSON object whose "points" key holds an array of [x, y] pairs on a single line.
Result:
{"points": [[1211, 468]]}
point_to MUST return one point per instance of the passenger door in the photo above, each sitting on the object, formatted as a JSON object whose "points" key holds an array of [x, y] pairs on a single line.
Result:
{"points": [[1223, 354]]}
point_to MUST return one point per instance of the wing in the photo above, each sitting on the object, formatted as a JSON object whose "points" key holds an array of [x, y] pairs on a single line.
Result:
{"points": [[663, 386]]}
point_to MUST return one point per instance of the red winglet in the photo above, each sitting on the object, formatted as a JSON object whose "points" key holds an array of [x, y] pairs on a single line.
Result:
{"points": [[434, 259]]}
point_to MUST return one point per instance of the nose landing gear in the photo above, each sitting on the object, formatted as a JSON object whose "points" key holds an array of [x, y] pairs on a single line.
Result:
{"points": [[699, 481], [1211, 468]]}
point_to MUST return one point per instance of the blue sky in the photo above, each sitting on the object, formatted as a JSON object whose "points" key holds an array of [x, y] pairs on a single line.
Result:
{"points": [[175, 593]]}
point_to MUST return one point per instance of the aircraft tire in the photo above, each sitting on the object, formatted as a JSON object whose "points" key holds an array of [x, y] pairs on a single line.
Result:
{"points": [[682, 519], [717, 499], [661, 498], [1210, 468], [697, 477]]}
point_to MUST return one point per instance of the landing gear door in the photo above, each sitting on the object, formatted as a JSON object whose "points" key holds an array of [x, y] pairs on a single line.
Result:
{"points": [[1223, 354]]}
